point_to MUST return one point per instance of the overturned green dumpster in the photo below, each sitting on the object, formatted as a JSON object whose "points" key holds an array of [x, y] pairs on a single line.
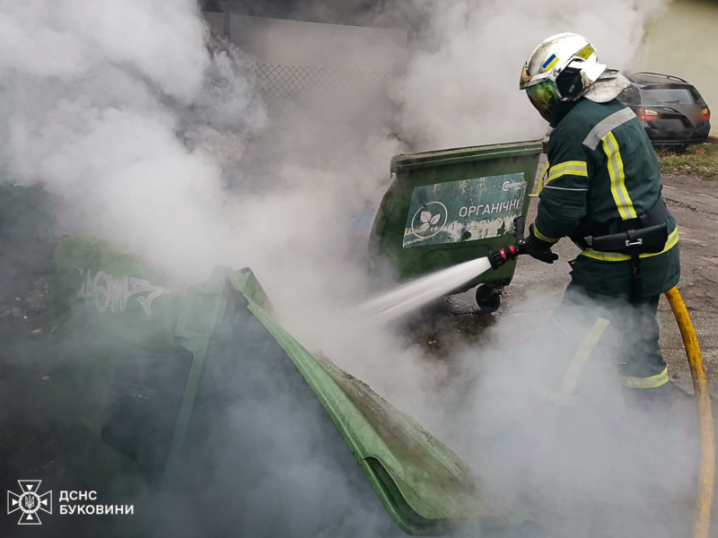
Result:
{"points": [[203, 400], [451, 206]]}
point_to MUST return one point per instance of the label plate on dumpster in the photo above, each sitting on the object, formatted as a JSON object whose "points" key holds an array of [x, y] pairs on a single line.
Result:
{"points": [[464, 210]]}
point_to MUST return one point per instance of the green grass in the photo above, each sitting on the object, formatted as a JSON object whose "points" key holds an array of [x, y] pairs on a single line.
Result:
{"points": [[698, 161]]}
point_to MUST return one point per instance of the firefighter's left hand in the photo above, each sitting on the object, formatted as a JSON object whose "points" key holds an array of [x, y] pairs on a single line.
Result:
{"points": [[538, 248]]}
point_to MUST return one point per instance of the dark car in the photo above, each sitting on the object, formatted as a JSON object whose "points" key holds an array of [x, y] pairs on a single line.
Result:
{"points": [[670, 109]]}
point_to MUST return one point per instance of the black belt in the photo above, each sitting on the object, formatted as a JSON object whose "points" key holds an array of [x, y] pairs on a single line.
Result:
{"points": [[649, 232], [656, 216], [642, 235]]}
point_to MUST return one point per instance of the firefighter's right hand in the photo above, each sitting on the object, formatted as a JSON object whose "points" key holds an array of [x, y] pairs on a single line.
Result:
{"points": [[538, 248]]}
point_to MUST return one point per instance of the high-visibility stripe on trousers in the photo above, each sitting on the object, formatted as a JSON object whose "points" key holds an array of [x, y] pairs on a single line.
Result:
{"points": [[587, 328], [650, 382]]}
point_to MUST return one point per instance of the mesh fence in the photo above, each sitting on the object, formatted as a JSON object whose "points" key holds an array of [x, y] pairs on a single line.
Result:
{"points": [[288, 82]]}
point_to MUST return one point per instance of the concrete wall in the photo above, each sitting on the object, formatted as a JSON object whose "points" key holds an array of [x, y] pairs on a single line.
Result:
{"points": [[684, 42]]}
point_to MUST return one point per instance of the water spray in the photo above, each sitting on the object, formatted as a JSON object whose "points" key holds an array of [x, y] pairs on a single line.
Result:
{"points": [[413, 295]]}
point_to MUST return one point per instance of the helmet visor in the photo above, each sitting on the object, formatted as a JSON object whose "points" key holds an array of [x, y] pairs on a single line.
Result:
{"points": [[544, 97]]}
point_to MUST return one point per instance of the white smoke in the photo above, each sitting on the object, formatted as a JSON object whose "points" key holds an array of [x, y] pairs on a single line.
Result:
{"points": [[463, 88], [96, 93], [117, 108], [460, 88], [152, 143]]}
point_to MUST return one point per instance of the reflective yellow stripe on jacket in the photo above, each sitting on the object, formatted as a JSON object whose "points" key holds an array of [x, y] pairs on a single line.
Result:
{"points": [[544, 173], [574, 168], [543, 237], [617, 257], [618, 179]]}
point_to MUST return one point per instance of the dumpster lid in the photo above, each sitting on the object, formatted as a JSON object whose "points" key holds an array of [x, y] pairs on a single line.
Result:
{"points": [[405, 161], [424, 486], [404, 463]]}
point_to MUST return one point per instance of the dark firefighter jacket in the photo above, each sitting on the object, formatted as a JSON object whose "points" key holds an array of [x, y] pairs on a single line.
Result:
{"points": [[602, 167]]}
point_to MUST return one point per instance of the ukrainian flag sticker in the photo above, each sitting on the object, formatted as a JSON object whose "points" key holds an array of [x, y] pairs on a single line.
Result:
{"points": [[548, 64]]}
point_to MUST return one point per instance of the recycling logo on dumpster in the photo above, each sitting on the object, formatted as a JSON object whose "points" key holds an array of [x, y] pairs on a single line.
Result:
{"points": [[429, 220], [464, 210]]}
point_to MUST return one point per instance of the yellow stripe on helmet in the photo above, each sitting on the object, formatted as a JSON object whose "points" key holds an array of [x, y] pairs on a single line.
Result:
{"points": [[586, 52]]}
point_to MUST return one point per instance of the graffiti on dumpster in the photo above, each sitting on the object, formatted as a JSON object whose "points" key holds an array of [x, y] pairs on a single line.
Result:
{"points": [[464, 210], [113, 293]]}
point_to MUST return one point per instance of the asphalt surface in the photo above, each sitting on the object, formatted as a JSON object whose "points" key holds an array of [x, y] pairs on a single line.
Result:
{"points": [[29, 447], [694, 203]]}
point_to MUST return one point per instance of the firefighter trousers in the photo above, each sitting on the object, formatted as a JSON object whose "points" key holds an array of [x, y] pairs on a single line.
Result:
{"points": [[591, 332]]}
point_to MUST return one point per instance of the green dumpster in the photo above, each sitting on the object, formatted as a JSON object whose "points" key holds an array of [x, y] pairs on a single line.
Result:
{"points": [[451, 206], [202, 398]]}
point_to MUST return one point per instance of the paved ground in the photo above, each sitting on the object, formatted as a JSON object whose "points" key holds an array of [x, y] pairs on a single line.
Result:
{"points": [[28, 444], [694, 203], [695, 206]]}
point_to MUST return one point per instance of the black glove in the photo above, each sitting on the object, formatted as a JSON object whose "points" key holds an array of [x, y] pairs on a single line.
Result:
{"points": [[538, 248]]}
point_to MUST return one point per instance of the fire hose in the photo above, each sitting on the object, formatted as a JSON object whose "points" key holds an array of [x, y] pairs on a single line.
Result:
{"points": [[706, 477]]}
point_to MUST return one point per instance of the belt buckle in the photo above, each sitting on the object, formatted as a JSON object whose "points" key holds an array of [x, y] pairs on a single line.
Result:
{"points": [[638, 242]]}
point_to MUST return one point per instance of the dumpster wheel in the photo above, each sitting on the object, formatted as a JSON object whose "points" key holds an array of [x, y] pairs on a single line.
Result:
{"points": [[487, 299]]}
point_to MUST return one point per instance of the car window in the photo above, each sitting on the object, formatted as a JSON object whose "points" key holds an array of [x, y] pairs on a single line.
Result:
{"points": [[667, 96]]}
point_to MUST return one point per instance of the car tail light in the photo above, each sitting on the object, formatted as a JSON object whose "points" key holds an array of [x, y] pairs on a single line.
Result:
{"points": [[706, 114], [645, 114]]}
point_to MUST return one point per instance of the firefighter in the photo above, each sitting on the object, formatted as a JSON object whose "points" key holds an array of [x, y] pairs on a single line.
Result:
{"points": [[602, 189]]}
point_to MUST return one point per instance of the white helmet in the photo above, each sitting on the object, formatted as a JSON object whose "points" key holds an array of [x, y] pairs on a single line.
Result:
{"points": [[561, 68]]}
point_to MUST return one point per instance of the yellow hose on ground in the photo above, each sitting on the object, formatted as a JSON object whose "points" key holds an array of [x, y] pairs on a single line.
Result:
{"points": [[706, 478]]}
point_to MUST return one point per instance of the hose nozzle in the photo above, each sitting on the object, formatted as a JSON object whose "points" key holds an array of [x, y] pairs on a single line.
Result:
{"points": [[500, 256]]}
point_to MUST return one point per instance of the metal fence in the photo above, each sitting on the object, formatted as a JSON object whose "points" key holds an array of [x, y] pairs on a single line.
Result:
{"points": [[277, 82], [292, 61]]}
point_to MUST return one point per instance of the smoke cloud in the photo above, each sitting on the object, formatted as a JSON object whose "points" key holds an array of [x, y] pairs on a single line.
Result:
{"points": [[124, 113], [97, 94], [155, 136]]}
